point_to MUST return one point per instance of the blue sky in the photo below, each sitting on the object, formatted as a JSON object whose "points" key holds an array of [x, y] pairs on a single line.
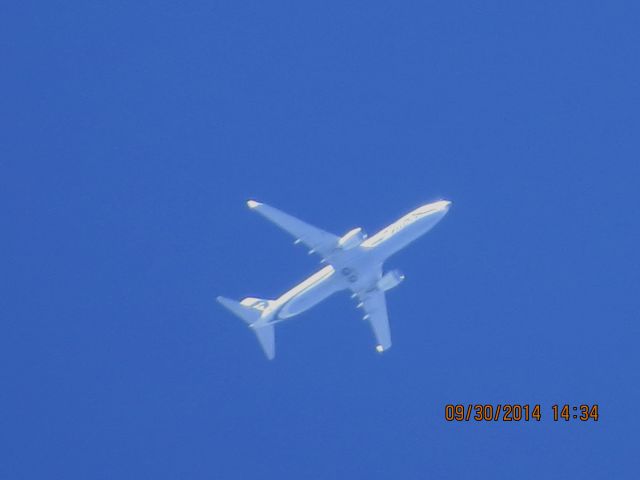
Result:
{"points": [[133, 133]]}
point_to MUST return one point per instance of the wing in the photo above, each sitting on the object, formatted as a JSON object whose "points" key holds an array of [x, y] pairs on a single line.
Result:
{"points": [[375, 307], [316, 239]]}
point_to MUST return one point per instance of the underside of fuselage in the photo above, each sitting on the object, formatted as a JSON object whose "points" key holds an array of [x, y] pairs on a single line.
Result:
{"points": [[351, 270]]}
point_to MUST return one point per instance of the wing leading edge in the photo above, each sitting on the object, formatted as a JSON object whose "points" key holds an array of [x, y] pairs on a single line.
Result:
{"points": [[319, 241]]}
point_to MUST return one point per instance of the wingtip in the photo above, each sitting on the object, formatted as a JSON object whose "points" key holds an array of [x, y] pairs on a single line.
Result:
{"points": [[253, 204]]}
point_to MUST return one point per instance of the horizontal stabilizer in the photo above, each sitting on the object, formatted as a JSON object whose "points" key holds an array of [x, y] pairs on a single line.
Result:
{"points": [[248, 314], [267, 338], [250, 310]]}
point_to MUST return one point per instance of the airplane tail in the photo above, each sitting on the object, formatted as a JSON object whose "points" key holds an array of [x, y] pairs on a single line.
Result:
{"points": [[250, 310]]}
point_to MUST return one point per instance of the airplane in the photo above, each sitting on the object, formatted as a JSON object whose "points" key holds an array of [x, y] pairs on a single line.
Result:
{"points": [[354, 262]]}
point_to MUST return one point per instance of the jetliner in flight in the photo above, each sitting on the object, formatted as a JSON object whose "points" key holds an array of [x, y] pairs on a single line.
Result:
{"points": [[353, 262]]}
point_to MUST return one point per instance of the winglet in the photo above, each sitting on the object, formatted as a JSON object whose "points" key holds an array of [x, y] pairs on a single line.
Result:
{"points": [[253, 204]]}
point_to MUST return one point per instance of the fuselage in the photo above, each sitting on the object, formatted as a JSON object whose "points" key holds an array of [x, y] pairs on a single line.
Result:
{"points": [[358, 268]]}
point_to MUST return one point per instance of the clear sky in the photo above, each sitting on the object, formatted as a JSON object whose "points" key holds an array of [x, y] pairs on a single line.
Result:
{"points": [[133, 133]]}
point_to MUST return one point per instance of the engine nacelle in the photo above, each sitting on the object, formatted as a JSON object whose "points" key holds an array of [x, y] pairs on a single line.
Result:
{"points": [[352, 239], [389, 280]]}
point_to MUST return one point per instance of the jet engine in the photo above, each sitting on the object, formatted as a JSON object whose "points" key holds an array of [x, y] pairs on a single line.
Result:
{"points": [[352, 239], [390, 280]]}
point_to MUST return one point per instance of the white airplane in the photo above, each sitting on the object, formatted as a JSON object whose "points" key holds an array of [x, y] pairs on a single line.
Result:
{"points": [[354, 262]]}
